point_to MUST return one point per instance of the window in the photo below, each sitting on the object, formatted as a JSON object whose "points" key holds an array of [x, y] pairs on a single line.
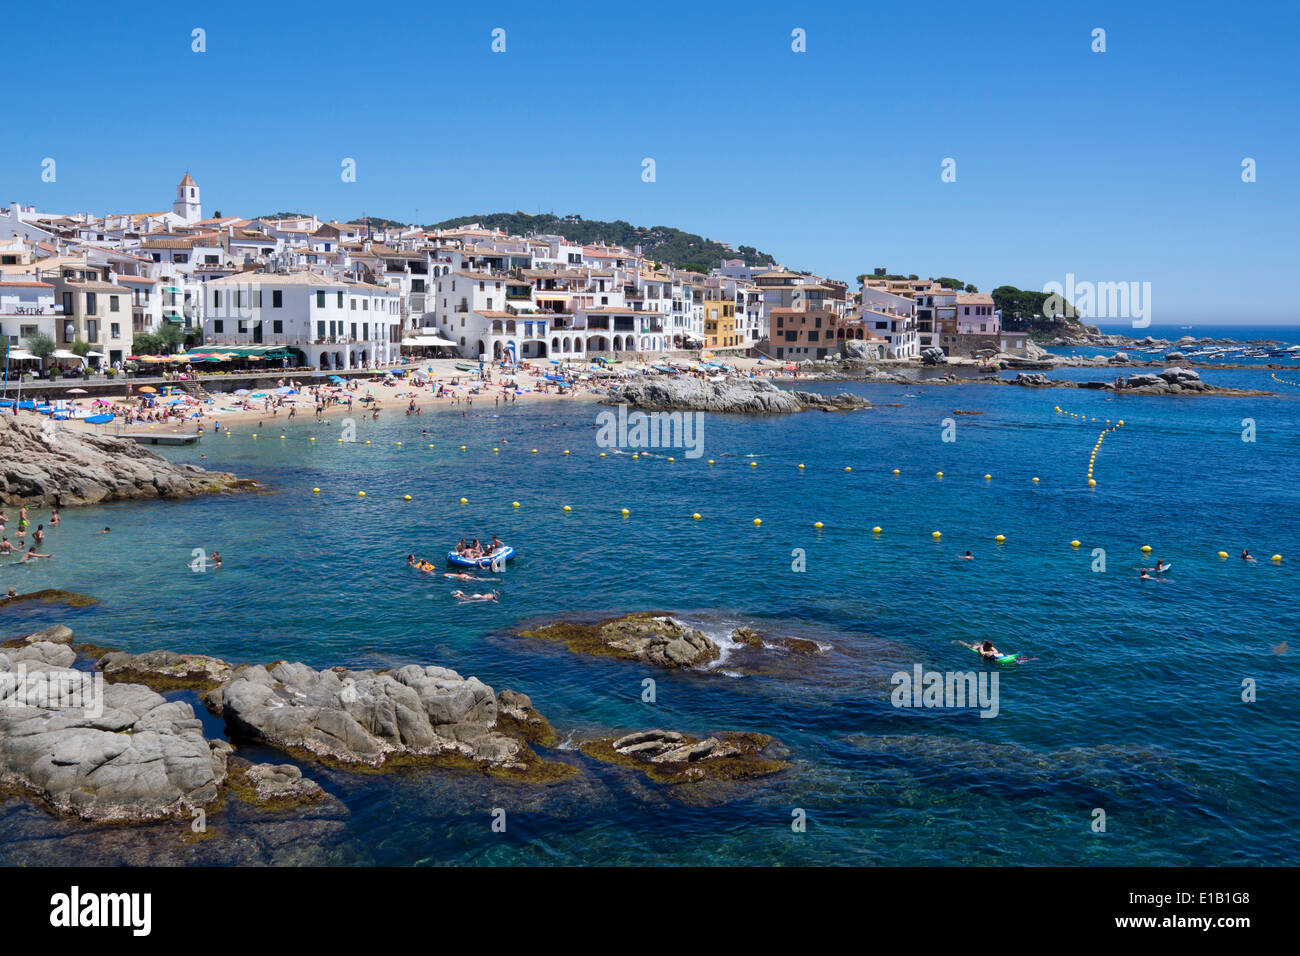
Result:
{"points": [[354, 330], [90, 303], [218, 326], [340, 300], [277, 298], [112, 304], [216, 299], [320, 329], [67, 303], [257, 298], [354, 304], [277, 326], [320, 300], [115, 330], [365, 330], [365, 305]]}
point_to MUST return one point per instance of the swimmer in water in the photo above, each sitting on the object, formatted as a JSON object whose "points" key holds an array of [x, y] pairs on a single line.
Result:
{"points": [[31, 553], [460, 595], [1160, 567], [968, 556], [985, 650], [103, 531], [1246, 555], [462, 576]]}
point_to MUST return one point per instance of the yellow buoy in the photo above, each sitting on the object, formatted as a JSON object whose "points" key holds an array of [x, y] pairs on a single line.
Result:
{"points": [[896, 471], [315, 491], [567, 508], [817, 524], [514, 504], [671, 458], [406, 497], [636, 457], [464, 501], [430, 446], [151, 429], [602, 454], [1146, 549], [625, 512], [1277, 558], [566, 451], [462, 447], [1074, 543], [1000, 538], [1223, 554], [496, 451], [757, 522], [801, 467], [696, 516], [399, 444], [753, 464], [340, 441], [847, 468], [710, 461], [1092, 482], [988, 477], [313, 438], [534, 451], [361, 494], [877, 529], [935, 534], [1035, 481], [367, 441]]}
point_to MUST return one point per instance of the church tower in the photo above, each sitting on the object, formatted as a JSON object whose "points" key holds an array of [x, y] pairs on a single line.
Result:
{"points": [[187, 205]]}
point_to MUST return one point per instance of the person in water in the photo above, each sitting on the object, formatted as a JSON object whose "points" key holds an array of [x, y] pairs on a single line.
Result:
{"points": [[1246, 555], [460, 595], [410, 560], [1161, 567], [462, 576], [497, 544], [968, 556], [985, 650], [31, 553], [216, 559]]}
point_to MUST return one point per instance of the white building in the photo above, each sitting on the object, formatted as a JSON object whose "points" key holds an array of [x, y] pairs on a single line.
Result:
{"points": [[327, 323]]}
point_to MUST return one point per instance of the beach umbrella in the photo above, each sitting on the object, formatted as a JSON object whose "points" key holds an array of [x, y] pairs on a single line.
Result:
{"points": [[77, 391]]}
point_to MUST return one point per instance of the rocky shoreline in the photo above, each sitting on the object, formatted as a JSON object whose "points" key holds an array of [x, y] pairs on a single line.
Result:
{"points": [[121, 752], [41, 465], [735, 394]]}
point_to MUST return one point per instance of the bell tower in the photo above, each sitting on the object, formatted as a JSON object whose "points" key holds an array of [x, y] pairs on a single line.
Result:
{"points": [[187, 205]]}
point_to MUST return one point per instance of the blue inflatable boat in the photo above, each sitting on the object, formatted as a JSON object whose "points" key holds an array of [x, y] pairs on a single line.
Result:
{"points": [[500, 556]]}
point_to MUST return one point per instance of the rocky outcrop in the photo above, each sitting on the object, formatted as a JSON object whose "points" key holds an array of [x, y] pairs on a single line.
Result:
{"points": [[648, 636], [272, 786], [667, 756], [165, 670], [369, 718], [42, 461], [49, 596], [752, 639], [733, 395], [109, 753], [933, 355]]}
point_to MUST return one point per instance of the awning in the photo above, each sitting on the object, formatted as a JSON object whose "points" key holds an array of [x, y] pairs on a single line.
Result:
{"points": [[65, 354], [431, 341], [20, 354]]}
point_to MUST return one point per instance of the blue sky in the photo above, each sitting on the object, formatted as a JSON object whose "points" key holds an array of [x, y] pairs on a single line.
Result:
{"points": [[1115, 166]]}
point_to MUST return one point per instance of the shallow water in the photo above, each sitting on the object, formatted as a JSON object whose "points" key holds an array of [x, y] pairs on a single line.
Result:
{"points": [[1133, 704]]}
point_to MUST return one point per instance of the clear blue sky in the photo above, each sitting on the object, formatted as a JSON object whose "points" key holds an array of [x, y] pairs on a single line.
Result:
{"points": [[1115, 167]]}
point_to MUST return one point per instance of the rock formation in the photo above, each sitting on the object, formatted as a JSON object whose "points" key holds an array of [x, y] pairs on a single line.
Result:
{"points": [[646, 636], [39, 462], [735, 394]]}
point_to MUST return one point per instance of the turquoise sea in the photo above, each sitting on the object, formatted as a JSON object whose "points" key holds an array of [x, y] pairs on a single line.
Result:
{"points": [[1132, 705]]}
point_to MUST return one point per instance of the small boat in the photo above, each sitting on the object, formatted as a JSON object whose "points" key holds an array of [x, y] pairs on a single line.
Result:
{"points": [[496, 558]]}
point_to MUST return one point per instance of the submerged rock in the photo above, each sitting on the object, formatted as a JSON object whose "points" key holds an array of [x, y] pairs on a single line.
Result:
{"points": [[735, 394], [272, 786], [129, 755], [668, 756], [49, 596], [647, 636], [79, 468]]}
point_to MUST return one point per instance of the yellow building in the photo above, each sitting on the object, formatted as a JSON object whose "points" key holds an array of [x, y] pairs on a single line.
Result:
{"points": [[719, 322]]}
